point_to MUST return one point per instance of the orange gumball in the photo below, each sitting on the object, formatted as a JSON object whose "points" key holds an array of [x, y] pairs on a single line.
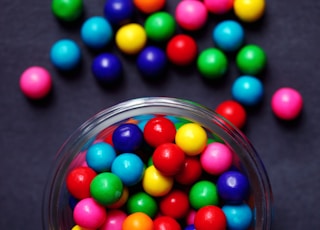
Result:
{"points": [[149, 6], [137, 221]]}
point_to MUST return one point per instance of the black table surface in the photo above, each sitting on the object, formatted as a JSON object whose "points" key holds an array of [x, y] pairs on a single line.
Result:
{"points": [[31, 133]]}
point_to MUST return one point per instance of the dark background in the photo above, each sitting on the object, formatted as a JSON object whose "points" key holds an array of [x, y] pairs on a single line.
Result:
{"points": [[31, 133]]}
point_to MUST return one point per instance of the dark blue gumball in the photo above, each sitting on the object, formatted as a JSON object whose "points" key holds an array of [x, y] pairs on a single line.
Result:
{"points": [[190, 227], [107, 68], [118, 12]]}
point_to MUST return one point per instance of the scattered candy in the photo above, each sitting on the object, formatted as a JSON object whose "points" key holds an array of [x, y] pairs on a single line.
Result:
{"points": [[249, 10], [150, 6], [118, 12], [233, 112], [218, 6], [67, 10]]}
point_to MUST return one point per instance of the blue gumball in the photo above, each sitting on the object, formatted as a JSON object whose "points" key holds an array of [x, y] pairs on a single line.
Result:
{"points": [[190, 227], [100, 156], [239, 217], [118, 12], [107, 68]]}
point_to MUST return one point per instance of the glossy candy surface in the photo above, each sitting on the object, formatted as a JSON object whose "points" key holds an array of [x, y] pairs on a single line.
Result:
{"points": [[233, 111], [218, 6], [127, 138], [249, 10], [100, 156], [67, 10], [175, 204], [142, 202], [114, 220], [118, 12], [149, 6], [166, 223], [137, 221], [239, 217], [203, 193], [190, 171], [210, 217], [160, 26]]}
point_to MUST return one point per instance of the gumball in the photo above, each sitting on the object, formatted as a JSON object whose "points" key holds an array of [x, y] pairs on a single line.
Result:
{"points": [[212, 63], [127, 137], [249, 10], [191, 15], [165, 223], [155, 183], [129, 168], [175, 204], [160, 26], [123, 199], [190, 216], [286, 103], [152, 62], [247, 90], [168, 158], [107, 68], [182, 50], [100, 156], [191, 138], [142, 202], [89, 214], [131, 38], [96, 32], [78, 182], [118, 12], [251, 59], [150, 6], [233, 187], [35, 82], [65, 54], [210, 217], [190, 172], [228, 35], [77, 227], [203, 193], [67, 10], [233, 112], [216, 158], [239, 217], [137, 221], [106, 188], [190, 227], [218, 6], [114, 220]]}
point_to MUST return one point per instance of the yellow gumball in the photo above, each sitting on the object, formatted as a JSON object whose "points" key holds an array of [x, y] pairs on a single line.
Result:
{"points": [[155, 183], [77, 227], [131, 38], [249, 10], [191, 138]]}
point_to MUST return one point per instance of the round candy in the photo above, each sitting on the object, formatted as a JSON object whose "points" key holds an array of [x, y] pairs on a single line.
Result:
{"points": [[35, 82], [65, 54], [210, 217], [182, 50], [190, 227], [175, 204], [106, 188], [160, 26], [165, 223], [251, 59], [127, 137], [212, 63], [89, 214], [77, 227], [216, 158], [118, 12], [137, 221], [190, 171], [67, 10], [149, 6], [123, 199], [78, 182], [142, 202], [249, 10], [203, 193], [131, 38], [287, 103], [96, 32], [247, 90], [114, 220], [218, 6], [239, 217], [233, 112], [100, 156], [107, 68], [228, 35], [152, 62], [191, 15], [129, 168], [233, 187], [190, 216], [191, 138]]}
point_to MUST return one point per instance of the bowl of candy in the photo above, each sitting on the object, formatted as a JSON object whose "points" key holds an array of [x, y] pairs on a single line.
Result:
{"points": [[157, 163]]}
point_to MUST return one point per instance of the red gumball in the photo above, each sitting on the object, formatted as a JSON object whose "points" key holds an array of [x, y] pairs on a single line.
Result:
{"points": [[165, 223], [78, 182], [190, 171], [233, 112], [182, 50], [168, 158], [210, 218], [159, 130], [175, 204]]}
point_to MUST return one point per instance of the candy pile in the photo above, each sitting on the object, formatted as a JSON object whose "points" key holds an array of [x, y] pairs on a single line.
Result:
{"points": [[155, 172]]}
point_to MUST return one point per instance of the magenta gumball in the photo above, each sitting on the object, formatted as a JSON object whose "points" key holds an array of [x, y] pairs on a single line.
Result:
{"points": [[218, 6], [190, 216], [114, 220]]}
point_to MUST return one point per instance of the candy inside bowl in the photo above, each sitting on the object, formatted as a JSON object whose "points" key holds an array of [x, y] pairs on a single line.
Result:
{"points": [[153, 162]]}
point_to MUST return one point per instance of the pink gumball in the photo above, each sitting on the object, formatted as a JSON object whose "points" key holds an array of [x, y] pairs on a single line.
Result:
{"points": [[35, 82], [216, 158], [114, 220], [218, 6], [89, 214], [190, 216], [191, 15]]}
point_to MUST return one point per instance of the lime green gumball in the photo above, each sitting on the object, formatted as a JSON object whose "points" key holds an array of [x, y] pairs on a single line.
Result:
{"points": [[142, 202], [212, 63], [160, 26], [203, 193], [67, 10], [251, 59]]}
